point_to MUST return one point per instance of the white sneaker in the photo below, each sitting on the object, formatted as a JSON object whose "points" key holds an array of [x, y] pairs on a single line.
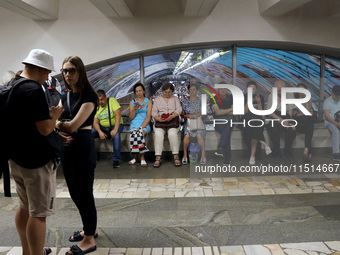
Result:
{"points": [[252, 161], [267, 150]]}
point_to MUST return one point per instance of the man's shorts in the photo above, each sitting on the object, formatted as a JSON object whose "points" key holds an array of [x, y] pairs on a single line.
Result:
{"points": [[36, 188]]}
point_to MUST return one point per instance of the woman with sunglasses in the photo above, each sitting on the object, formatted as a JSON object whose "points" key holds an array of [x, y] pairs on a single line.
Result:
{"points": [[79, 160]]}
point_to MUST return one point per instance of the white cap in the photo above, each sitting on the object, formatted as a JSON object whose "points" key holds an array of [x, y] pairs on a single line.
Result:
{"points": [[40, 58]]}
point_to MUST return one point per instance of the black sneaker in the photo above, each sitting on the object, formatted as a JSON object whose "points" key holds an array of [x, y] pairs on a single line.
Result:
{"points": [[115, 164], [336, 156]]}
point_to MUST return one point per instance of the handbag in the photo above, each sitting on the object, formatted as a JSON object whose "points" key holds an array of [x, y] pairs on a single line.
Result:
{"points": [[174, 123], [195, 124]]}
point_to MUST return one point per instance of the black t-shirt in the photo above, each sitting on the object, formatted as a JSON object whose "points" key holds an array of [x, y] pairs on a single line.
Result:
{"points": [[250, 115], [226, 104], [28, 148], [89, 97]]}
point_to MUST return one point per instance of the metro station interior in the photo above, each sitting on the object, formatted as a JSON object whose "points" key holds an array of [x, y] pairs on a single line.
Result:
{"points": [[170, 210]]}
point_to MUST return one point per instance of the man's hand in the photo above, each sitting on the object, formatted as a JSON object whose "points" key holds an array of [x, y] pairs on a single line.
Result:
{"points": [[56, 111], [102, 135], [113, 133]]}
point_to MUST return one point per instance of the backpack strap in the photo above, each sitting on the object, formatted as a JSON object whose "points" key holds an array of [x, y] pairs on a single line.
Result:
{"points": [[14, 84]]}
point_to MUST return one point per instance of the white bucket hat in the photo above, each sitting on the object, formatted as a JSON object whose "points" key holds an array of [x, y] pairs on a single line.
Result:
{"points": [[40, 58]]}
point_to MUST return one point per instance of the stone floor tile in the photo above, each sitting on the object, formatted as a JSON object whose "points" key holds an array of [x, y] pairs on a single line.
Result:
{"points": [[221, 193], [164, 180], [234, 192], [128, 194], [275, 249], [187, 251], [114, 195], [154, 194], [167, 251], [141, 194], [195, 194], [267, 191], [117, 251], [197, 251], [125, 181], [181, 181], [64, 194], [293, 182], [99, 194], [282, 191], [311, 246], [208, 193], [5, 249], [134, 251], [232, 250], [332, 189], [245, 179], [256, 250], [146, 251], [178, 251], [157, 251], [216, 250], [180, 193], [252, 191], [207, 250], [334, 245]]}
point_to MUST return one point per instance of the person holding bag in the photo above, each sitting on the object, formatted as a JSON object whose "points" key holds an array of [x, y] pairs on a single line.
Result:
{"points": [[165, 112], [140, 116], [79, 160], [193, 125]]}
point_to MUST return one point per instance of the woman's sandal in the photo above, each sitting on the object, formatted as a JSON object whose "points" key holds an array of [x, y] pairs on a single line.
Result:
{"points": [[157, 165], [78, 237], [132, 161], [143, 163], [77, 251], [177, 161], [47, 251]]}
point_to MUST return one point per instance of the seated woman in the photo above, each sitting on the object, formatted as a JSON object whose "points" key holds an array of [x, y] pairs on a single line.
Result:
{"points": [[140, 116], [255, 134], [192, 111], [166, 108], [305, 124]]}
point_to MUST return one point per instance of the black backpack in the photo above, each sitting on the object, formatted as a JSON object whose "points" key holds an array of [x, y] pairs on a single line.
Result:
{"points": [[53, 94], [5, 96]]}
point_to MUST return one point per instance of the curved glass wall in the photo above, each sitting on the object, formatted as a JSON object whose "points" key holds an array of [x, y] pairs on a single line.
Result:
{"points": [[332, 75], [210, 66], [203, 66]]}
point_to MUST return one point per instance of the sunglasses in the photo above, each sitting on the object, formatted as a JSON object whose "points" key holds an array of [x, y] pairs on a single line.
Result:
{"points": [[71, 71]]}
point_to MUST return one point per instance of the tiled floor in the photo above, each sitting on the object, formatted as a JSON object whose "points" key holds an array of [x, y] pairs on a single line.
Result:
{"points": [[313, 248], [184, 187]]}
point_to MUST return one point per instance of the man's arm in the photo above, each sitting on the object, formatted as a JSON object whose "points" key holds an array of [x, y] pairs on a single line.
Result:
{"points": [[329, 119], [117, 123], [45, 127], [219, 111]]}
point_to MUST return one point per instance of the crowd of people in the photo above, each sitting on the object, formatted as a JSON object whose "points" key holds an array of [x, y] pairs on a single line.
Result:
{"points": [[84, 114]]}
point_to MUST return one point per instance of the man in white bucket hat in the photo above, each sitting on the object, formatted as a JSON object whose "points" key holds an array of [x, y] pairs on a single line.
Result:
{"points": [[31, 156]]}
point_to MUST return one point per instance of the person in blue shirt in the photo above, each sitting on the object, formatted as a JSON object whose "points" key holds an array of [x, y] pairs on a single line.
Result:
{"points": [[331, 107]]}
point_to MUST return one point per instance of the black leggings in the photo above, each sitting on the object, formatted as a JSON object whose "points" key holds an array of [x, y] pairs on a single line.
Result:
{"points": [[78, 163], [306, 125]]}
